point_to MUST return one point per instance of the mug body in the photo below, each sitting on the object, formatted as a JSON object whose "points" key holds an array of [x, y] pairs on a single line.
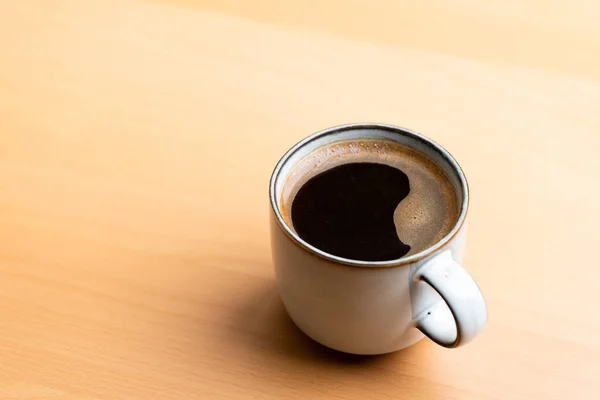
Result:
{"points": [[357, 306]]}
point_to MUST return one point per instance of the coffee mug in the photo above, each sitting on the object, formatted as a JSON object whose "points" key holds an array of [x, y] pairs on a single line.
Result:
{"points": [[376, 307]]}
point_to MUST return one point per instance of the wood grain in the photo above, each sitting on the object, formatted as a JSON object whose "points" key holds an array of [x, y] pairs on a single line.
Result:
{"points": [[136, 143]]}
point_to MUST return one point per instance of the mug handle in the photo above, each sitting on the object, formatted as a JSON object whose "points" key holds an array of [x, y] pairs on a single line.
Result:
{"points": [[463, 297]]}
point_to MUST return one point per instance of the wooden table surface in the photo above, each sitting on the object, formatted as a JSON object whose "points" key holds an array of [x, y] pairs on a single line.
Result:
{"points": [[136, 143]]}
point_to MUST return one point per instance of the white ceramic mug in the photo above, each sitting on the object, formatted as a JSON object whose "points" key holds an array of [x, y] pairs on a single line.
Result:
{"points": [[378, 307]]}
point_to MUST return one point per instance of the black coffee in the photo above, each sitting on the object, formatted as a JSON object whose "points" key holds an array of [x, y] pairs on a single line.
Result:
{"points": [[369, 200], [348, 211]]}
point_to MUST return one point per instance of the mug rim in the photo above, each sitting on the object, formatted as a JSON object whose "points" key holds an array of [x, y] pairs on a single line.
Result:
{"points": [[464, 188]]}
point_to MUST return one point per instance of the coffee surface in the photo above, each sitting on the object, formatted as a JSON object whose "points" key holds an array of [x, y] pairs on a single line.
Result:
{"points": [[369, 200], [349, 211]]}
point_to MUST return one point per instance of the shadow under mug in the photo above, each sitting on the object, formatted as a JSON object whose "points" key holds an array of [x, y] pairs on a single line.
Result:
{"points": [[365, 307]]}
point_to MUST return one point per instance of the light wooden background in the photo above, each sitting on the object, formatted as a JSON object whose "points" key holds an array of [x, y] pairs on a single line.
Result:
{"points": [[136, 143]]}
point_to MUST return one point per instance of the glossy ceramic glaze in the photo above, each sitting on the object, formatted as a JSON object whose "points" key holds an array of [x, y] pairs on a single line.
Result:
{"points": [[376, 307]]}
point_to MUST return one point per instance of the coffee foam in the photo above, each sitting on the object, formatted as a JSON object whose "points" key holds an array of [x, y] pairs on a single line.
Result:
{"points": [[422, 219]]}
